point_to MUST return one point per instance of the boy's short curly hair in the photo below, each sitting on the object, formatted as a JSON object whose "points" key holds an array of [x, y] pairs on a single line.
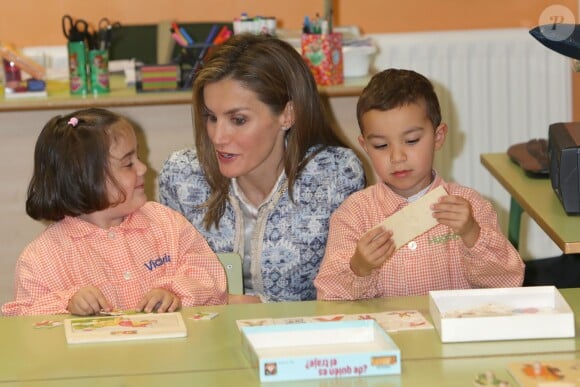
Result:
{"points": [[393, 88]]}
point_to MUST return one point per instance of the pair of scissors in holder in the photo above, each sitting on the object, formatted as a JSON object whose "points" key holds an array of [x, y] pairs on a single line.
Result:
{"points": [[75, 30], [105, 33]]}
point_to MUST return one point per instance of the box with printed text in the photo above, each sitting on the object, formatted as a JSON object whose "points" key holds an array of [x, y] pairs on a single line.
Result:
{"points": [[321, 350], [501, 314]]}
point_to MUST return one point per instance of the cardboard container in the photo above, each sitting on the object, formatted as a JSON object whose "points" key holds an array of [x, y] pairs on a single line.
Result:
{"points": [[321, 350], [323, 54], [99, 71], [157, 77], [77, 65], [357, 60], [501, 314]]}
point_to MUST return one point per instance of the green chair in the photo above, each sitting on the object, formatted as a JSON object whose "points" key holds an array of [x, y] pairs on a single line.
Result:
{"points": [[232, 263]]}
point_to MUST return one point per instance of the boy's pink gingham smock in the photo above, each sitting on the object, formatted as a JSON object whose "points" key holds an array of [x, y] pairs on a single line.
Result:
{"points": [[436, 260]]}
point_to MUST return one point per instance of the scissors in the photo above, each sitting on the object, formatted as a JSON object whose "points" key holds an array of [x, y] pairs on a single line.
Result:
{"points": [[105, 24], [75, 31], [105, 33]]}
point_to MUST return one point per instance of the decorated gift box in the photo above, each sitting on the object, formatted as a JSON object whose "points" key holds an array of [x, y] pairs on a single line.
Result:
{"points": [[323, 54], [501, 314], [321, 350]]}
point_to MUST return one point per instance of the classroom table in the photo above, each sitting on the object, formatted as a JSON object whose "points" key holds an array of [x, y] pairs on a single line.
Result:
{"points": [[211, 354], [536, 197], [420, 373]]}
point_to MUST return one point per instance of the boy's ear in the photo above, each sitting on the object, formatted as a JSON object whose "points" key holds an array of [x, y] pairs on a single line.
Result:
{"points": [[440, 135], [362, 142]]}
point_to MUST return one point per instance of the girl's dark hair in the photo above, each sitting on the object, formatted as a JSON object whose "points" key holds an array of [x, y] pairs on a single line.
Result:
{"points": [[71, 165], [393, 88], [276, 72]]}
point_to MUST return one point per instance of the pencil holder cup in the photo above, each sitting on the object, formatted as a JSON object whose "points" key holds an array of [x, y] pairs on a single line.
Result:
{"points": [[191, 60], [323, 54], [77, 67], [99, 71]]}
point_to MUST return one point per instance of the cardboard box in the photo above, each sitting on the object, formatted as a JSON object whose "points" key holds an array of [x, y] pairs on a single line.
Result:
{"points": [[323, 55], [321, 350], [357, 60], [501, 314]]}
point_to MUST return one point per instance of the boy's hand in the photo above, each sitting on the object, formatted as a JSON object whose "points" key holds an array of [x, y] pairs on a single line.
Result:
{"points": [[455, 212], [372, 250], [159, 300], [88, 301]]}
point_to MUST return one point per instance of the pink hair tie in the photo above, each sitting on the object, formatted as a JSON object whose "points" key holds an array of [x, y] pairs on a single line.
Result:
{"points": [[73, 122]]}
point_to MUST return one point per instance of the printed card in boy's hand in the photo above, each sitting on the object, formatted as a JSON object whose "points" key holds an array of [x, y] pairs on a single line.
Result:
{"points": [[414, 219]]}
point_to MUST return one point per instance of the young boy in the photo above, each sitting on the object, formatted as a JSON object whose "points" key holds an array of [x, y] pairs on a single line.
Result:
{"points": [[400, 121]]}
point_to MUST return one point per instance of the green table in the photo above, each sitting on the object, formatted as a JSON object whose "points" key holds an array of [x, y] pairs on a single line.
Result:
{"points": [[537, 198], [212, 353], [415, 373]]}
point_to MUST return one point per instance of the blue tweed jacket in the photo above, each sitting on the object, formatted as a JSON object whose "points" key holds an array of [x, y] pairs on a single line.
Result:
{"points": [[290, 236]]}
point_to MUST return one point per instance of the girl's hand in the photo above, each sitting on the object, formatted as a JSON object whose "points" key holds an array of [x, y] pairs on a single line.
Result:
{"points": [[455, 212], [88, 301], [372, 250], [159, 300]]}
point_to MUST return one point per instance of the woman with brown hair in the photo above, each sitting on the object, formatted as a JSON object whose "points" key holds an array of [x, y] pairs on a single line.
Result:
{"points": [[267, 171]]}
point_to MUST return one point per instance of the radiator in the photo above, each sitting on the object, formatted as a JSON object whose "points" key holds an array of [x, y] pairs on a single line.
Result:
{"points": [[496, 88]]}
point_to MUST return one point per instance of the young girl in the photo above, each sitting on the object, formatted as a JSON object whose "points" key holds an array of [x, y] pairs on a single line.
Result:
{"points": [[107, 248]]}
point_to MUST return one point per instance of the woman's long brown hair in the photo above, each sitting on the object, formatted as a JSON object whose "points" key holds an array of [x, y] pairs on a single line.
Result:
{"points": [[276, 72]]}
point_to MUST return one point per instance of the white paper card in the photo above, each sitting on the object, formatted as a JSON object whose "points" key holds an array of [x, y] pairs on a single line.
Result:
{"points": [[414, 219]]}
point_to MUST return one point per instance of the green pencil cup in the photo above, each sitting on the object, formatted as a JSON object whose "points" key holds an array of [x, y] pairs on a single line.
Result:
{"points": [[77, 66], [99, 71]]}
